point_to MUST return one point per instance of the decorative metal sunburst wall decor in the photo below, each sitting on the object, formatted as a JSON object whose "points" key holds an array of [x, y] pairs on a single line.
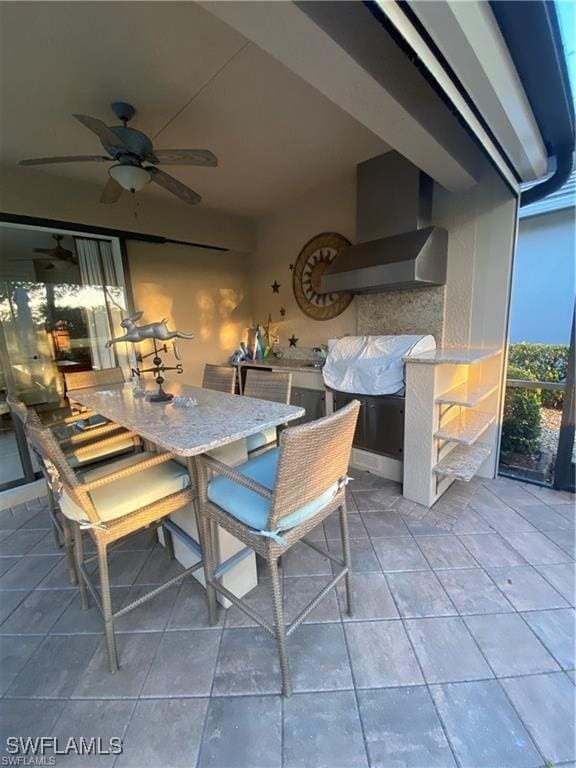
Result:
{"points": [[312, 261]]}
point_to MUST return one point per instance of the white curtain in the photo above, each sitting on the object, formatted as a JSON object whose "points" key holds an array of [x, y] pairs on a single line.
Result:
{"points": [[105, 302]]}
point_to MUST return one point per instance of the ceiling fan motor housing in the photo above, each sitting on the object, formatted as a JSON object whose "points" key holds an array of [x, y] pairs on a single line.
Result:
{"points": [[136, 142]]}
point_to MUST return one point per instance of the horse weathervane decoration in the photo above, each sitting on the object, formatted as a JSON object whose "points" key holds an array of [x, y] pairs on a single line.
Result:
{"points": [[135, 334]]}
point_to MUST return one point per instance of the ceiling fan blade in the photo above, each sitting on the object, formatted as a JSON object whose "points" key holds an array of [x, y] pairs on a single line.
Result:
{"points": [[173, 185], [102, 131], [187, 157], [111, 192], [69, 159]]}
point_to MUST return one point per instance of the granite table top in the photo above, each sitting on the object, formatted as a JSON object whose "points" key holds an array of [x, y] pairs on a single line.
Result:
{"points": [[453, 356], [217, 419]]}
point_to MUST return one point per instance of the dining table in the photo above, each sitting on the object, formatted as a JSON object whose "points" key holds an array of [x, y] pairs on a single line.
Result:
{"points": [[195, 422]]}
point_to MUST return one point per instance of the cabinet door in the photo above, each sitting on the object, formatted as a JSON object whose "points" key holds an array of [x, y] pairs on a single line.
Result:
{"points": [[312, 400], [385, 426], [341, 399]]}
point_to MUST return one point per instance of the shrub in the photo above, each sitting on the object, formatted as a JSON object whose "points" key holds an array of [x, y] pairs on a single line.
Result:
{"points": [[543, 362], [521, 423]]}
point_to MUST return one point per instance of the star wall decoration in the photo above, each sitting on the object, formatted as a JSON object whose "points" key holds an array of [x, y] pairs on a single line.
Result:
{"points": [[293, 341], [275, 287], [291, 267], [282, 312]]}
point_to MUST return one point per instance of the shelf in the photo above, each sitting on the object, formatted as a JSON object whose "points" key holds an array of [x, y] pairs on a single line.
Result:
{"points": [[453, 356], [465, 428], [463, 462], [466, 395]]}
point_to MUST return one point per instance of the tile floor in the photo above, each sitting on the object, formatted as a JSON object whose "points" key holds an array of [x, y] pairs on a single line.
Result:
{"points": [[460, 651]]}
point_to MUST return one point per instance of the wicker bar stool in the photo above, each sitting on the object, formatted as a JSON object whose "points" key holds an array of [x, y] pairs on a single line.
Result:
{"points": [[79, 450], [266, 385], [219, 377], [114, 502], [272, 501]]}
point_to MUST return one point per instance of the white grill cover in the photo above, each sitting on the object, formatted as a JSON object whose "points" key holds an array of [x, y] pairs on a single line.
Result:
{"points": [[371, 365]]}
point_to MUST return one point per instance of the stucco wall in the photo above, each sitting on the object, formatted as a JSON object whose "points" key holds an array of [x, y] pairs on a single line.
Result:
{"points": [[543, 288]]}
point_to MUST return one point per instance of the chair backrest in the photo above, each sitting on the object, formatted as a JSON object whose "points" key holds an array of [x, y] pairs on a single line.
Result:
{"points": [[268, 385], [219, 377], [313, 457], [88, 379]]}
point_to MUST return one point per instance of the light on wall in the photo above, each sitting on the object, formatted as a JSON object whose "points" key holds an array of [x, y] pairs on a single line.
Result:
{"points": [[130, 177]]}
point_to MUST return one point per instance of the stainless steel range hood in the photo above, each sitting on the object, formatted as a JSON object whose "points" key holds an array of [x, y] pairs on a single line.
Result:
{"points": [[397, 247]]}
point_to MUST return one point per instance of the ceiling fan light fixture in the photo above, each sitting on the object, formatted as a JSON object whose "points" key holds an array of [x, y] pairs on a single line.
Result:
{"points": [[132, 178]]}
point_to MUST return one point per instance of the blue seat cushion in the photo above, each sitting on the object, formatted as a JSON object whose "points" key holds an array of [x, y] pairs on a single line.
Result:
{"points": [[251, 508]]}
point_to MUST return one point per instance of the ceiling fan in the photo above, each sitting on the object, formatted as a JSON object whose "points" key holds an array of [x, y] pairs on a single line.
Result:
{"points": [[129, 149], [58, 257]]}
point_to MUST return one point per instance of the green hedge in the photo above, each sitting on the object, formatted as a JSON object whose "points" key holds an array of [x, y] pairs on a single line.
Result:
{"points": [[521, 423], [543, 362]]}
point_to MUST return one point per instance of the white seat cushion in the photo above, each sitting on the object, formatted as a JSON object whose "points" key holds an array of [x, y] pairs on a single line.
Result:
{"points": [[98, 451], [260, 439], [120, 497]]}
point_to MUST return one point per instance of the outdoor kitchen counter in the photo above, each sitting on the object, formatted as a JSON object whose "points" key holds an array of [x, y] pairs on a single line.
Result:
{"points": [[281, 364], [453, 356]]}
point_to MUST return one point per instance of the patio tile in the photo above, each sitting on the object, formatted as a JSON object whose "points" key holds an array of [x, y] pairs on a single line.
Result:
{"points": [[419, 594], [506, 520], [375, 498], [27, 718], [14, 517], [242, 732], [446, 650], [544, 517], [247, 663], [92, 719], [526, 589], [55, 668], [38, 612], [564, 507], [259, 598], [58, 577], [510, 647], [319, 658], [300, 590], [562, 578], [556, 631], [537, 549], [564, 538], [381, 655], [482, 726], [491, 550], [323, 730], [20, 542], [184, 664], [39, 521], [546, 705], [144, 540], [429, 525], [135, 655], [151, 615], [301, 560], [190, 609], [165, 732], [382, 523], [512, 493], [125, 566], [362, 553], [445, 552], [6, 563], [14, 653], [470, 521], [10, 600], [75, 621], [371, 598], [472, 591], [402, 729], [159, 568], [28, 571], [400, 554], [356, 526]]}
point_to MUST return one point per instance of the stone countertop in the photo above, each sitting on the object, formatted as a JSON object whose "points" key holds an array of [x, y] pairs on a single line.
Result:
{"points": [[217, 419], [453, 356], [283, 364]]}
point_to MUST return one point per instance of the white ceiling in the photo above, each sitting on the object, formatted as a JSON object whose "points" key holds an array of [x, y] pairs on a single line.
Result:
{"points": [[195, 82]]}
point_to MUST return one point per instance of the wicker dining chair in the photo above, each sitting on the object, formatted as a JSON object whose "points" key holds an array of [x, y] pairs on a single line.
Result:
{"points": [[114, 502], [271, 502], [266, 385], [219, 377], [102, 377], [79, 450]]}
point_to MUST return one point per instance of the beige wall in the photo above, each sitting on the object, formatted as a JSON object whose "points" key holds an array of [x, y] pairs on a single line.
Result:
{"points": [[279, 239], [200, 292], [28, 192]]}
